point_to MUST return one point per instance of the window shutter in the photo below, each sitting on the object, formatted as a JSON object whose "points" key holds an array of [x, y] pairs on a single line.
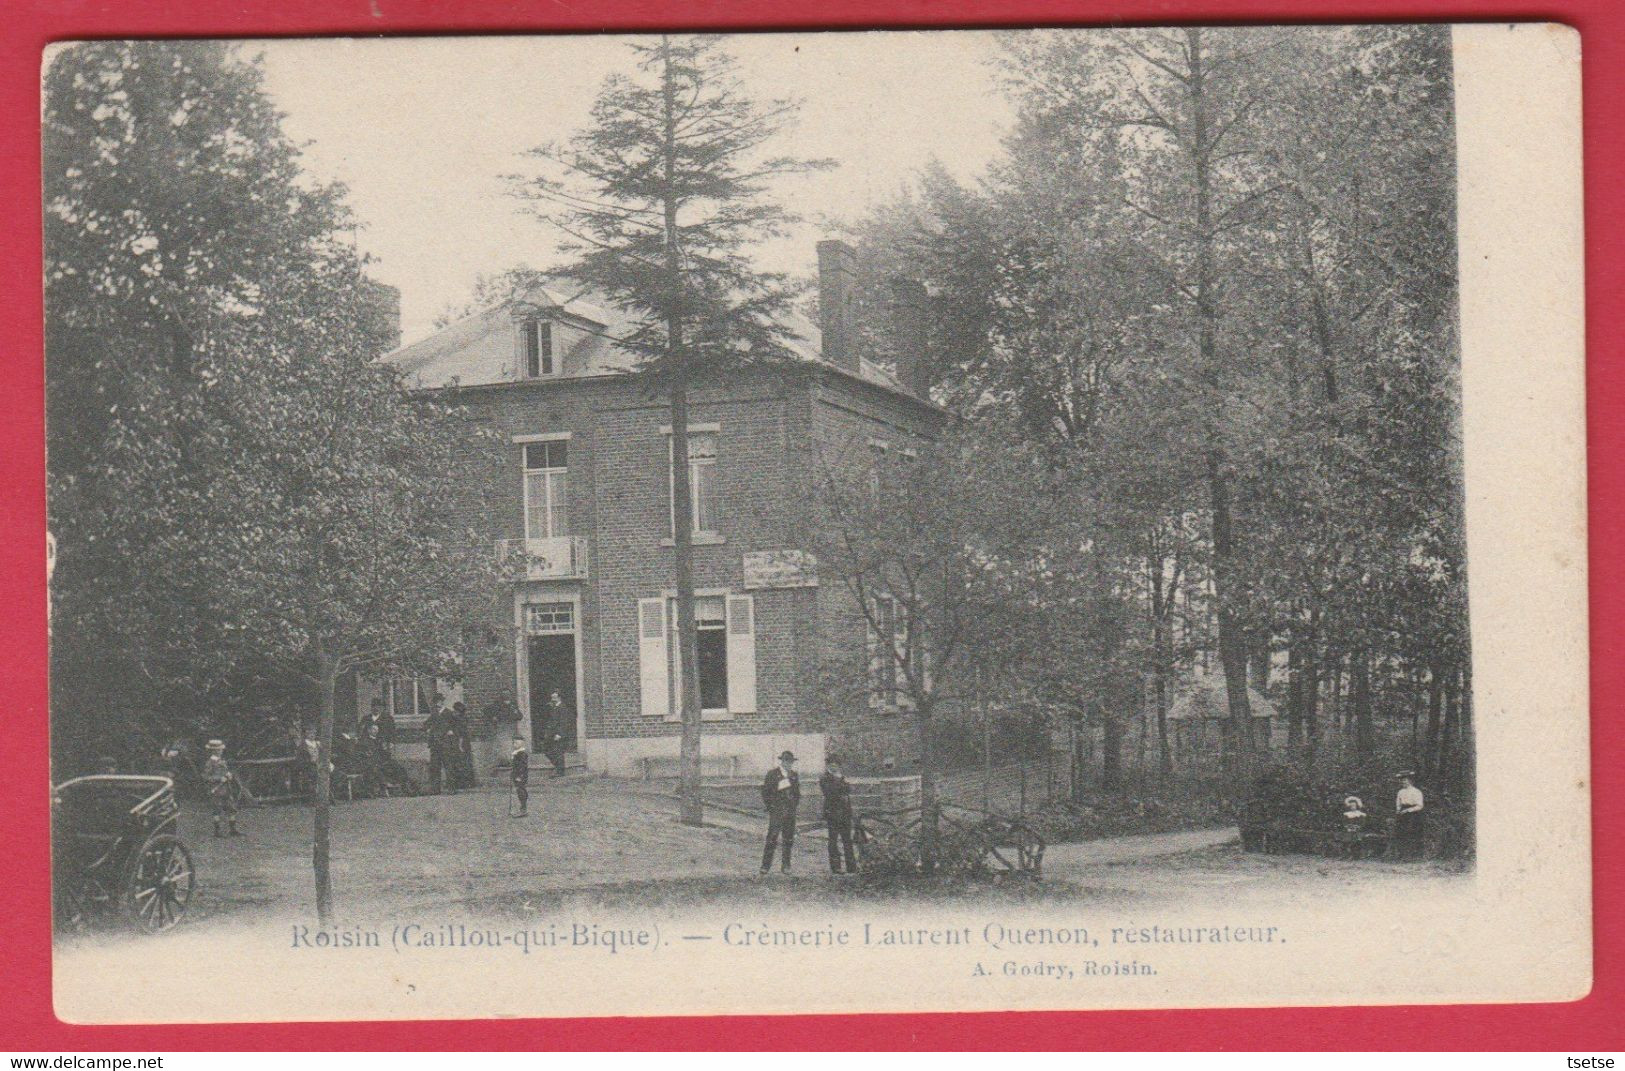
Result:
{"points": [[674, 664], [741, 654], [652, 657]]}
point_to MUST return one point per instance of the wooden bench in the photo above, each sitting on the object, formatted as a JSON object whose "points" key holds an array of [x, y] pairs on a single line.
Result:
{"points": [[1279, 838]]}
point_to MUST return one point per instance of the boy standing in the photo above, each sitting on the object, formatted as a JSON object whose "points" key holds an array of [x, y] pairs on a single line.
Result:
{"points": [[222, 800], [519, 773]]}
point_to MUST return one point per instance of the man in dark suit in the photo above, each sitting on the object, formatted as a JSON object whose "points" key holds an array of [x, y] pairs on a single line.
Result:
{"points": [[385, 721], [781, 794], [837, 792], [559, 721], [462, 759], [442, 738]]}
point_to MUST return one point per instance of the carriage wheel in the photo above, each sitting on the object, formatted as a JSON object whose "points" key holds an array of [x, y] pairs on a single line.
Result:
{"points": [[158, 887]]}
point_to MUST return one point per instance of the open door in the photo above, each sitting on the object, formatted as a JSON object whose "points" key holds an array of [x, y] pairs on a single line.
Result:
{"points": [[552, 665]]}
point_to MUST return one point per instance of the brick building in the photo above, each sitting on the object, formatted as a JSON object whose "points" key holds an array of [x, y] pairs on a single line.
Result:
{"points": [[587, 499]]}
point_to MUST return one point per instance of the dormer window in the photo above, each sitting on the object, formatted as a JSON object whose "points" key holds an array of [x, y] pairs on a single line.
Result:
{"points": [[536, 339]]}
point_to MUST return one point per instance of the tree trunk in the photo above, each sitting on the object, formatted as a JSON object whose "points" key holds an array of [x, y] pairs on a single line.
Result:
{"points": [[928, 790], [1111, 758], [1427, 763], [690, 805], [1311, 703], [1260, 666], [1294, 692], [1365, 738], [1467, 760], [321, 839], [1079, 763], [1232, 640], [1447, 730], [1161, 665]]}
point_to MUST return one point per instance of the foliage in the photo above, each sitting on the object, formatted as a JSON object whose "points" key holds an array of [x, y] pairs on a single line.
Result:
{"points": [[1211, 283], [239, 488]]}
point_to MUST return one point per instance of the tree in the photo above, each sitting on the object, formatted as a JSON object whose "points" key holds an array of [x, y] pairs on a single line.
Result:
{"points": [[234, 476], [1212, 280], [354, 551], [659, 199], [937, 553], [172, 202]]}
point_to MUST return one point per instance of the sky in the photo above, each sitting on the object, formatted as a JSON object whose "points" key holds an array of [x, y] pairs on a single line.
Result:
{"points": [[423, 130]]}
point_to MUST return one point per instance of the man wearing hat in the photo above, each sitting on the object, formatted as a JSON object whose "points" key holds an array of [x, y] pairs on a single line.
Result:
{"points": [[837, 793], [781, 793], [218, 776]]}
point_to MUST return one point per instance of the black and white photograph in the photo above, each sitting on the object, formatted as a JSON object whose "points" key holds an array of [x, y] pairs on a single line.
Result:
{"points": [[837, 521]]}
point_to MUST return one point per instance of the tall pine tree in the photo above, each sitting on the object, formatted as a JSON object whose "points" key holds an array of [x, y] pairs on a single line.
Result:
{"points": [[660, 197]]}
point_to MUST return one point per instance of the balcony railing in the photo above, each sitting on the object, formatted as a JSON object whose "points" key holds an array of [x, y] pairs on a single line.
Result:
{"points": [[554, 558]]}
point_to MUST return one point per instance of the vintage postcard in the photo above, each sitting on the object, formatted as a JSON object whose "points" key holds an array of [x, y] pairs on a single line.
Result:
{"points": [[821, 522]]}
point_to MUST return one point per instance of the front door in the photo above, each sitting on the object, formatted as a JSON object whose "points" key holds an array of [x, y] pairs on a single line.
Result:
{"points": [[552, 662]]}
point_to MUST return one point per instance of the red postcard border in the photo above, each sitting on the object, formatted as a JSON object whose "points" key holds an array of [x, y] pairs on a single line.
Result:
{"points": [[26, 1019]]}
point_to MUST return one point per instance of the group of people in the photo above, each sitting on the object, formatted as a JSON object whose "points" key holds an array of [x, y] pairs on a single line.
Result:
{"points": [[1409, 826], [781, 795], [451, 750], [372, 758]]}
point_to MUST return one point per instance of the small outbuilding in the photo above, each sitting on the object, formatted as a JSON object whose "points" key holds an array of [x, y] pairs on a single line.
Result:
{"points": [[1200, 712]]}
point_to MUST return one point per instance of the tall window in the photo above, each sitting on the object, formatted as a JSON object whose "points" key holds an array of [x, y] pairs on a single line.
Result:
{"points": [[546, 489], [702, 463], [894, 649], [410, 700], [538, 348], [885, 650], [711, 651]]}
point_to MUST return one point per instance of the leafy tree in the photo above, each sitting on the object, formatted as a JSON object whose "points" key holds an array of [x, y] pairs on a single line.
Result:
{"points": [[170, 202], [1212, 280], [659, 199], [939, 553], [235, 479]]}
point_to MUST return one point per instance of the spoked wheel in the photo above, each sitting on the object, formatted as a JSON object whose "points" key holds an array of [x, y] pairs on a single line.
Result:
{"points": [[158, 888]]}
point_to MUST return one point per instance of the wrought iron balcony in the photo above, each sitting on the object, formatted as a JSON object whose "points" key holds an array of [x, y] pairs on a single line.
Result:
{"points": [[553, 558]]}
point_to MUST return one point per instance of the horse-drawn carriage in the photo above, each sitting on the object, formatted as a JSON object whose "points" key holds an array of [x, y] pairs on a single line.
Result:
{"points": [[115, 853]]}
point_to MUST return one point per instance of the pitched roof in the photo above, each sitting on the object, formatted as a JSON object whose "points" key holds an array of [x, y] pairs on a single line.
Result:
{"points": [[1205, 697], [478, 350]]}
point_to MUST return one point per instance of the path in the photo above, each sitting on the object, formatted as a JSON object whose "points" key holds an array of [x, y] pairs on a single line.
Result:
{"points": [[1071, 861]]}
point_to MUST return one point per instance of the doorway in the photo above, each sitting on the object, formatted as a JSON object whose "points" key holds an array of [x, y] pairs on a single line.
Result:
{"points": [[550, 659]]}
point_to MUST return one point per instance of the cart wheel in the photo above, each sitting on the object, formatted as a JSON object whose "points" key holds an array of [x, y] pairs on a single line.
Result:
{"points": [[158, 885]]}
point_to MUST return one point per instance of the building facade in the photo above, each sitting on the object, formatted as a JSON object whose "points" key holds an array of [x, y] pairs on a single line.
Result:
{"points": [[583, 514]]}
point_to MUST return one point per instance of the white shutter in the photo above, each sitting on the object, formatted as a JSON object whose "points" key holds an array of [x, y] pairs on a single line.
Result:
{"points": [[741, 654], [652, 657], [674, 664]]}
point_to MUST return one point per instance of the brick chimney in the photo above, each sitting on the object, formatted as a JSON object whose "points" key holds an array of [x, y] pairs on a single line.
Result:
{"points": [[910, 309], [837, 284]]}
